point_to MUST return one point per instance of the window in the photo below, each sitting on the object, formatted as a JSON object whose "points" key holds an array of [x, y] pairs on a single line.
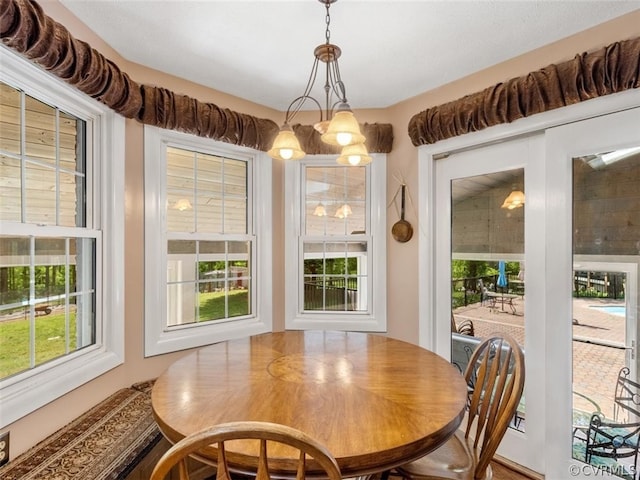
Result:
{"points": [[208, 246], [60, 170], [335, 244]]}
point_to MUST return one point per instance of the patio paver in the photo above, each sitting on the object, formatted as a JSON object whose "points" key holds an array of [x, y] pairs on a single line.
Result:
{"points": [[595, 368]]}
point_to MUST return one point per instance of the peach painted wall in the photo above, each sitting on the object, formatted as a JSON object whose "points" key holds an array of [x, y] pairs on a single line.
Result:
{"points": [[402, 266]]}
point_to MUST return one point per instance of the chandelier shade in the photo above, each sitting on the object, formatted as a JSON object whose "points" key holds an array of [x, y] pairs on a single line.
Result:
{"points": [[343, 211], [354, 155], [320, 211], [339, 128], [183, 204], [286, 145], [343, 129]]}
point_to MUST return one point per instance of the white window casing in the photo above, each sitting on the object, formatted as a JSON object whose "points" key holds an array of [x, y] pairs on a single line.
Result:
{"points": [[29, 390], [159, 338]]}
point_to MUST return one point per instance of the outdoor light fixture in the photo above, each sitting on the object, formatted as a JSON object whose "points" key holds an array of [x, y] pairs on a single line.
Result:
{"points": [[340, 128], [514, 200]]}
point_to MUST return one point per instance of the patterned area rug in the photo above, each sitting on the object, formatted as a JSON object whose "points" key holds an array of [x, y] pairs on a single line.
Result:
{"points": [[104, 443]]}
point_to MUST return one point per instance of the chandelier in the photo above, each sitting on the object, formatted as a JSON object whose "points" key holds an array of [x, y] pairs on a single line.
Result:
{"points": [[338, 125], [514, 200]]}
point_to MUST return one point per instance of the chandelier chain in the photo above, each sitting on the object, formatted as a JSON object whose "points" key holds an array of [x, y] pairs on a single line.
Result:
{"points": [[327, 20]]}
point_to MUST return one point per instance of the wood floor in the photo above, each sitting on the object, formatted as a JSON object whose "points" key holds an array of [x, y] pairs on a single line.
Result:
{"points": [[500, 472]]}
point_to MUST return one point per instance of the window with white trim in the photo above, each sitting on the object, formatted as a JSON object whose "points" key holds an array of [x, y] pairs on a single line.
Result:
{"points": [[335, 245], [61, 217], [207, 241]]}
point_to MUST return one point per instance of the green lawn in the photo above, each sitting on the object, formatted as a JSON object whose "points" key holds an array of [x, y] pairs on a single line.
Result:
{"points": [[212, 304], [50, 341]]}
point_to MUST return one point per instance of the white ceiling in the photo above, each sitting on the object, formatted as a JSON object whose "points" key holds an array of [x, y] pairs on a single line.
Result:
{"points": [[262, 50]]}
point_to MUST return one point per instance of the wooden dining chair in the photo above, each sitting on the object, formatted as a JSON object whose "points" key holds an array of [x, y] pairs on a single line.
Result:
{"points": [[465, 327], [495, 374], [260, 431]]}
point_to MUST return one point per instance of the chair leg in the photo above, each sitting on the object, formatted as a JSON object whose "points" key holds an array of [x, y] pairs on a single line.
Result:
{"points": [[374, 476]]}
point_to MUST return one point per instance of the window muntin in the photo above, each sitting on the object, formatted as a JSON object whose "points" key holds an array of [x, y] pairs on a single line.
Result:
{"points": [[208, 264], [335, 272], [48, 304], [207, 281], [335, 245], [43, 156], [335, 276], [48, 281], [335, 200], [205, 193]]}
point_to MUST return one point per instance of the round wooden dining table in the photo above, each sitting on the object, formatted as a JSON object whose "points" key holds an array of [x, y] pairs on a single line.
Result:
{"points": [[373, 401]]}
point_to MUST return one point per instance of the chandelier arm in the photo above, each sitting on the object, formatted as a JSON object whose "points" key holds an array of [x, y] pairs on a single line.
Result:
{"points": [[329, 90], [335, 104], [312, 78], [299, 101], [338, 84]]}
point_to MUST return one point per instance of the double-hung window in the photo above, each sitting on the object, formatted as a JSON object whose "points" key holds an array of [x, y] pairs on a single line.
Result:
{"points": [[335, 245], [207, 241], [61, 238]]}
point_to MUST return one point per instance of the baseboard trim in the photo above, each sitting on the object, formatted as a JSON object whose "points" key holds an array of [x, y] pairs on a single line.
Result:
{"points": [[527, 472]]}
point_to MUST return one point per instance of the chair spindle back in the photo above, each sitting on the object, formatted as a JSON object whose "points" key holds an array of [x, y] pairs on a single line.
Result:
{"points": [[496, 375], [262, 431]]}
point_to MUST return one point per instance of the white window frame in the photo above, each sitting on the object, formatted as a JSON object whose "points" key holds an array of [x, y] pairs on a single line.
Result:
{"points": [[24, 393], [373, 320], [158, 339]]}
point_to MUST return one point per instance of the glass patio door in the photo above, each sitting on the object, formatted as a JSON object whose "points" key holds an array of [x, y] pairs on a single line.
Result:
{"points": [[593, 178], [489, 277]]}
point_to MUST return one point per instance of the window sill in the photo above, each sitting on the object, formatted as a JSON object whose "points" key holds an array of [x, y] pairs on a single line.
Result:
{"points": [[20, 397]]}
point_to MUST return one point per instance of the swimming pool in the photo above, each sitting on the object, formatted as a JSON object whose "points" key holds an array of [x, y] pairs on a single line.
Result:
{"points": [[618, 310]]}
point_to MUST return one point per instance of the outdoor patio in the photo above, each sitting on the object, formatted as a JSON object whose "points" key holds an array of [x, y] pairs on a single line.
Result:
{"points": [[595, 367]]}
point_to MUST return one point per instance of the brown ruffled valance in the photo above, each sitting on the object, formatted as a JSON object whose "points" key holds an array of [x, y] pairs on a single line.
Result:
{"points": [[379, 139], [26, 29], [609, 70]]}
